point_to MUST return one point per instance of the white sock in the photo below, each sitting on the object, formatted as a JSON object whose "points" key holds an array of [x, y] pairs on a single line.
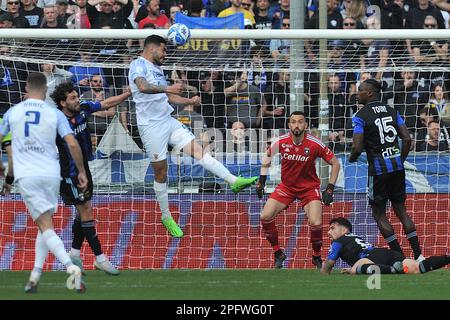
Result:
{"points": [[41, 252], [56, 246], [75, 252], [163, 198], [218, 169], [100, 257]]}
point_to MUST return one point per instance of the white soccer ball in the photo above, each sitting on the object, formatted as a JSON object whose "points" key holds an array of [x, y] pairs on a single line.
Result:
{"points": [[179, 34]]}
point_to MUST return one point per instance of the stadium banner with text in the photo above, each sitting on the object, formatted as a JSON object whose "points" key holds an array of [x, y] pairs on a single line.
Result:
{"points": [[425, 173], [221, 231]]}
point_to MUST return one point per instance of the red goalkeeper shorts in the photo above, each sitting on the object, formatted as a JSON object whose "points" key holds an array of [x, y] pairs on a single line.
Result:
{"points": [[285, 195]]}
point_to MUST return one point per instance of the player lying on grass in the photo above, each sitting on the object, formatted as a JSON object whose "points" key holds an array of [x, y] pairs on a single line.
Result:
{"points": [[365, 258]]}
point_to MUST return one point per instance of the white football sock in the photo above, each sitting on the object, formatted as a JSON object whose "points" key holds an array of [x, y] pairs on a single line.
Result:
{"points": [[218, 169], [56, 246], [100, 258], [163, 198], [75, 252], [40, 251]]}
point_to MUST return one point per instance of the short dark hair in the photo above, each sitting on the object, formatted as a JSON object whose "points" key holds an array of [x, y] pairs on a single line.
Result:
{"points": [[342, 222], [298, 113], [154, 39], [373, 84], [433, 121], [36, 80], [61, 91]]}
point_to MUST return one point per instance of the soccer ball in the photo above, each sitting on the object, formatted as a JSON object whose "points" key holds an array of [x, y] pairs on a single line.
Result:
{"points": [[179, 34]]}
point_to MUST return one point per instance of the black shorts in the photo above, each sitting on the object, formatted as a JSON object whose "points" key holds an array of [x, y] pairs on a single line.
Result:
{"points": [[385, 256], [71, 195], [390, 186]]}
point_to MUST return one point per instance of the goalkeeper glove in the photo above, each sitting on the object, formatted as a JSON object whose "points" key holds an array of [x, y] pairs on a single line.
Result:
{"points": [[260, 186], [327, 195]]}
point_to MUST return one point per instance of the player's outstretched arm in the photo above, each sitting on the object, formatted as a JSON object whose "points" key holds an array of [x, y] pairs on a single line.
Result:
{"points": [[327, 266], [77, 156], [357, 147], [145, 87], [115, 100]]}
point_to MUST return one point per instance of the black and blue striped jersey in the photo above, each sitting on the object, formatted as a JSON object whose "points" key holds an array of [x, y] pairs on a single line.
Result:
{"points": [[379, 123], [350, 248], [79, 125]]}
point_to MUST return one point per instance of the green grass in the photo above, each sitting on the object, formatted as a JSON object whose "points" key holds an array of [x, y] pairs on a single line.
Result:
{"points": [[229, 284]]}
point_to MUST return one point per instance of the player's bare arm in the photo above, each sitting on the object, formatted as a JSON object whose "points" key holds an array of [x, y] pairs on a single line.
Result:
{"points": [[75, 152], [357, 147], [115, 100], [327, 266], [406, 141], [149, 88], [175, 99]]}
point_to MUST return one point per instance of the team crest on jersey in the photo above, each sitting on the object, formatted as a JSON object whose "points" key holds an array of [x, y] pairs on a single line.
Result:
{"points": [[287, 150], [306, 150]]}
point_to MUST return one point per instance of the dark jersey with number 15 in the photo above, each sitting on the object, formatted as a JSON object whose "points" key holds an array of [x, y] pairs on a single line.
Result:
{"points": [[349, 248], [379, 123]]}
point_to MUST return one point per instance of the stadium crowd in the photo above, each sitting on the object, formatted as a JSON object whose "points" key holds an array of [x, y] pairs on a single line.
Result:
{"points": [[258, 96]]}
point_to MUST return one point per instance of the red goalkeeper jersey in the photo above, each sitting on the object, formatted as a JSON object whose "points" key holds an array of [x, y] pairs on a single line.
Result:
{"points": [[298, 169]]}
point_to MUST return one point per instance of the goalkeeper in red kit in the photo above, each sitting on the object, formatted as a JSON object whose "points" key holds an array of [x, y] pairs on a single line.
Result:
{"points": [[299, 151]]}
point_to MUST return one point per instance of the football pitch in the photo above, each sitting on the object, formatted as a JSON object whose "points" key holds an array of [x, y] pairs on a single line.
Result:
{"points": [[229, 285]]}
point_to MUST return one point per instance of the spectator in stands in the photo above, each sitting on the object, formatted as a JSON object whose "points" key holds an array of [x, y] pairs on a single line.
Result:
{"points": [[258, 75], [433, 141], [352, 47], [178, 76], [32, 13], [6, 20], [51, 20], [355, 9], [98, 121], [279, 10], [55, 76], [417, 14], [127, 117], [19, 21], [218, 6], [410, 96], [391, 13], [13, 75], [430, 52], [347, 79], [191, 119], [263, 20], [154, 16], [240, 142], [334, 21], [426, 115], [277, 108], [212, 96], [376, 52], [62, 7], [236, 6], [243, 101], [194, 8], [82, 72], [439, 100], [280, 48], [79, 18], [338, 113], [106, 14], [173, 11]]}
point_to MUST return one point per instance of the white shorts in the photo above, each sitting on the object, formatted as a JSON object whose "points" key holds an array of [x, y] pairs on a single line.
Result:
{"points": [[158, 135], [40, 194]]}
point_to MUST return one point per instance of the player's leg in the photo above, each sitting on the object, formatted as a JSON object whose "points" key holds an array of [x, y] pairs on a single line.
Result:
{"points": [[378, 196], [312, 205], [155, 139], [429, 264], [183, 139], [279, 200], [42, 203], [398, 197], [41, 252], [90, 233]]}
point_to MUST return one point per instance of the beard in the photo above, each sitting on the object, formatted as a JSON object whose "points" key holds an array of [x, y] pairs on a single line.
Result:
{"points": [[297, 132], [97, 89]]}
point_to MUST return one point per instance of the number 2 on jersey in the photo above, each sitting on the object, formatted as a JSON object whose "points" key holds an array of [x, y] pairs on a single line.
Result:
{"points": [[29, 114], [384, 128]]}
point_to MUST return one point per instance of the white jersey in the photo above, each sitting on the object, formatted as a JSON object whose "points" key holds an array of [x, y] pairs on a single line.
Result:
{"points": [[149, 106], [33, 125]]}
